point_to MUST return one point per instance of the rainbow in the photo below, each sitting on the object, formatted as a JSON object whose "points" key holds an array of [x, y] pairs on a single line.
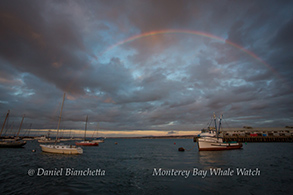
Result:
{"points": [[192, 32]]}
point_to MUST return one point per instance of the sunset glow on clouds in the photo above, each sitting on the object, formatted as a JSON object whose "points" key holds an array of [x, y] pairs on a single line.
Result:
{"points": [[147, 65]]}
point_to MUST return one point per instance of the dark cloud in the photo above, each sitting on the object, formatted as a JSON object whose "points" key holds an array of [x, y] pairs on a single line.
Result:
{"points": [[167, 81]]}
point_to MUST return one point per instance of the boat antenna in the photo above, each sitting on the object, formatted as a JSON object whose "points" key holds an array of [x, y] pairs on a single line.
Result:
{"points": [[220, 123], [60, 118], [215, 120]]}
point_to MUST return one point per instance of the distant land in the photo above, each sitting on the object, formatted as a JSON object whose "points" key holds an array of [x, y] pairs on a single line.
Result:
{"points": [[158, 137]]}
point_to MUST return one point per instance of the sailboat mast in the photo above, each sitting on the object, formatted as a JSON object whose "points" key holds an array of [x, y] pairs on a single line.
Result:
{"points": [[85, 127], [60, 118], [95, 131], [20, 125], [4, 122], [11, 129]]}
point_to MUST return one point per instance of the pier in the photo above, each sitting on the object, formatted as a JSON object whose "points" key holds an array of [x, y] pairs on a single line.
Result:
{"points": [[258, 138], [250, 134]]}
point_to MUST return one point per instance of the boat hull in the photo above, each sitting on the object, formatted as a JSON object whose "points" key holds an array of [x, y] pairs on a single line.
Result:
{"points": [[48, 141], [12, 144], [86, 143], [214, 144], [61, 149], [98, 141]]}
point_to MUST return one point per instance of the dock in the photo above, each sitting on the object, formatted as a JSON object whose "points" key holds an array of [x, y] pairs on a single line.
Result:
{"points": [[250, 134], [258, 138]]}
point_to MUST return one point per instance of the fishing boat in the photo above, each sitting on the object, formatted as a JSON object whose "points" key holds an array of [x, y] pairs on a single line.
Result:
{"points": [[14, 142], [86, 142], [61, 149], [210, 140]]}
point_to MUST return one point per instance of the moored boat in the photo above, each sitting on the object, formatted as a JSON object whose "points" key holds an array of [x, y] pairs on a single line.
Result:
{"points": [[210, 140], [45, 139], [61, 149], [12, 143], [86, 142], [98, 141]]}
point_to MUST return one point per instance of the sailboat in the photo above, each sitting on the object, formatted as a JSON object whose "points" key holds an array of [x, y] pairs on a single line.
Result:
{"points": [[28, 138], [85, 142], [47, 139], [61, 149], [98, 140], [14, 142], [210, 140]]}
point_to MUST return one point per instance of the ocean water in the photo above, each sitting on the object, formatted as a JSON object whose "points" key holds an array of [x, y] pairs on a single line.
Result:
{"points": [[148, 166]]}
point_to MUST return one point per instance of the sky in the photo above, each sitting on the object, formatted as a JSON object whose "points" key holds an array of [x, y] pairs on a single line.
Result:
{"points": [[156, 65]]}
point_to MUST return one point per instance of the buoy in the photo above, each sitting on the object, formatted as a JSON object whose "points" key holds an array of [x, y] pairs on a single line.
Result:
{"points": [[33, 150], [174, 143], [116, 143], [181, 149]]}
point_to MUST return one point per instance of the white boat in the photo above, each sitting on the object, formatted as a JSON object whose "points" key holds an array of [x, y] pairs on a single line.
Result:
{"points": [[98, 140], [61, 149], [210, 140], [45, 139], [65, 139], [28, 139]]}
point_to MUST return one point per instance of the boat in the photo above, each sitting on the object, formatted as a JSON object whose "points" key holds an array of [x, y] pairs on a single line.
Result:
{"points": [[61, 149], [210, 140], [14, 142], [65, 139], [28, 137], [86, 142], [47, 139], [98, 139]]}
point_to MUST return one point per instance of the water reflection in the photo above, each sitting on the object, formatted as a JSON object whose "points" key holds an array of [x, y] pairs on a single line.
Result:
{"points": [[210, 159]]}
